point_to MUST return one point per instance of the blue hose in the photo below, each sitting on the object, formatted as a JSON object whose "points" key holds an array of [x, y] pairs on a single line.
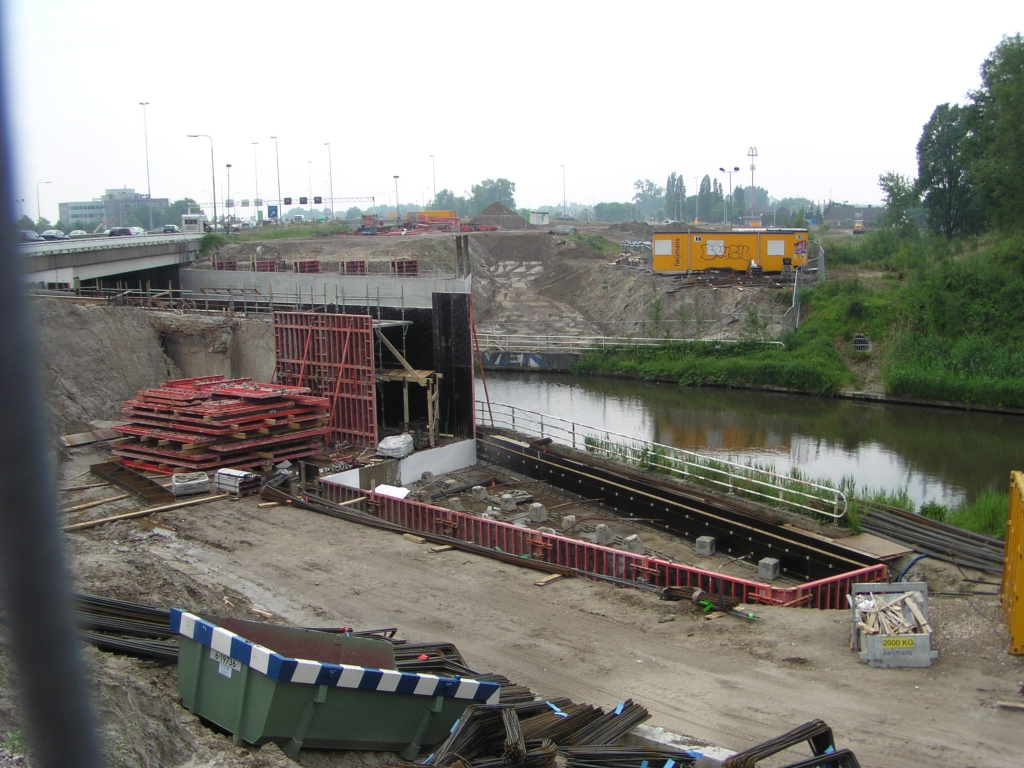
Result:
{"points": [[909, 566]]}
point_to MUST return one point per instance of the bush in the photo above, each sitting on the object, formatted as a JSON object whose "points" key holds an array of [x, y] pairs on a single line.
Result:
{"points": [[986, 514]]}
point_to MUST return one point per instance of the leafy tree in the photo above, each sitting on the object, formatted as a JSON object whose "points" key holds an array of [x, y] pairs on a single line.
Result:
{"points": [[648, 196], [675, 197], [24, 223], [901, 194], [42, 225], [614, 212], [491, 190], [943, 168], [353, 213], [705, 200], [998, 125]]}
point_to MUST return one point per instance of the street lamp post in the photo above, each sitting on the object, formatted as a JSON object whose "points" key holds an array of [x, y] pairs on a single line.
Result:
{"points": [[728, 202], [433, 170], [213, 174], [309, 169], [145, 133], [696, 201], [752, 153], [398, 216], [39, 214], [229, 203], [564, 199], [256, 172], [280, 200], [330, 175]]}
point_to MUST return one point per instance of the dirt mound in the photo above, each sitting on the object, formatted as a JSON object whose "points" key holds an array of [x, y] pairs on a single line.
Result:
{"points": [[638, 230], [96, 357], [498, 247]]}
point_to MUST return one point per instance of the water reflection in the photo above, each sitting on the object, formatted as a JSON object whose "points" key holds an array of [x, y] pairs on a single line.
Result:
{"points": [[934, 454]]}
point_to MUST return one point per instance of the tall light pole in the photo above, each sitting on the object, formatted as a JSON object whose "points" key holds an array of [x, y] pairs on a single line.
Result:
{"points": [[433, 170], [280, 200], [564, 200], [398, 216], [330, 175], [256, 172], [213, 173], [229, 203], [309, 168], [728, 202], [39, 214], [145, 134], [752, 153]]}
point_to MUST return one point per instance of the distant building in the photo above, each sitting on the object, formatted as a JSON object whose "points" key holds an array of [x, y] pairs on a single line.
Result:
{"points": [[843, 216], [540, 218], [115, 209]]}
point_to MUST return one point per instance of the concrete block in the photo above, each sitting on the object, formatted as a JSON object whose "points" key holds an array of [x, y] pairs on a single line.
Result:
{"points": [[538, 513], [705, 546], [634, 544], [479, 493], [604, 535], [455, 504], [508, 502], [569, 521], [427, 477], [768, 568]]}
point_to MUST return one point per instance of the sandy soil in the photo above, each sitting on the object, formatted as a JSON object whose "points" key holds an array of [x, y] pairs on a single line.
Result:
{"points": [[727, 681]]}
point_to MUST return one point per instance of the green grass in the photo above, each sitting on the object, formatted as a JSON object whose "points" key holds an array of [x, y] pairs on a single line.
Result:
{"points": [[595, 243], [214, 240], [809, 364], [15, 742], [986, 514]]}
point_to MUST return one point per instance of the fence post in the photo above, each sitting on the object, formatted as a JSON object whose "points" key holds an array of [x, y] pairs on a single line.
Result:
{"points": [[574, 435]]}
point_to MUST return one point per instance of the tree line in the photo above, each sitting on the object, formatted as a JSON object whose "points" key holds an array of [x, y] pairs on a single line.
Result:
{"points": [[970, 157]]}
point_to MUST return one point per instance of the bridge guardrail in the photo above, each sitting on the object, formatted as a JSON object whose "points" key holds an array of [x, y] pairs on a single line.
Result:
{"points": [[782, 491]]}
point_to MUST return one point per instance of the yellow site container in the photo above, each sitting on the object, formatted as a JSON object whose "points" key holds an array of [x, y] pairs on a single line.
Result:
{"points": [[735, 249]]}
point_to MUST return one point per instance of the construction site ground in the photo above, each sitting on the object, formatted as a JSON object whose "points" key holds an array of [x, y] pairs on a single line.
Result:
{"points": [[726, 681]]}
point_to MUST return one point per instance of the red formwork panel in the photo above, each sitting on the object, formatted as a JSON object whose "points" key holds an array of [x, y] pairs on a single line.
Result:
{"points": [[589, 558], [332, 355]]}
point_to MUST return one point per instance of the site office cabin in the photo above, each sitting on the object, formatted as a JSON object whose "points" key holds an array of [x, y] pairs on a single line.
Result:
{"points": [[699, 250]]}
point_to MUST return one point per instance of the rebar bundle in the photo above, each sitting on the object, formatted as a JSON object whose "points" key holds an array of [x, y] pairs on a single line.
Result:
{"points": [[612, 726]]}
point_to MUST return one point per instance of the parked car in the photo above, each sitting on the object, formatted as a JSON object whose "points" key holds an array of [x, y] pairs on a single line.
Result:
{"points": [[120, 232], [29, 236], [171, 229], [77, 233], [53, 234], [138, 231]]}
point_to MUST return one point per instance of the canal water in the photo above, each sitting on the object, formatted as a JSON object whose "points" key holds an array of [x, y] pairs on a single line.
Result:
{"points": [[933, 454]]}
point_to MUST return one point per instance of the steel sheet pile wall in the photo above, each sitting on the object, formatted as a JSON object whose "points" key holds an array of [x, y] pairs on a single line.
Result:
{"points": [[332, 354], [453, 359], [593, 559], [1012, 594]]}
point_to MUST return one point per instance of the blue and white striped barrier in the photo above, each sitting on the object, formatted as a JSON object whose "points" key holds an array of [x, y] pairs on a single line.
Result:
{"points": [[287, 670]]}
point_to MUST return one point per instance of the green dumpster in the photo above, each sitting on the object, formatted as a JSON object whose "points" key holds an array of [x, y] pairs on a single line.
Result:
{"points": [[262, 687]]}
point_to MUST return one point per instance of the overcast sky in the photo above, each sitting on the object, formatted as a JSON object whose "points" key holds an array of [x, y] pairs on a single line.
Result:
{"points": [[830, 94]]}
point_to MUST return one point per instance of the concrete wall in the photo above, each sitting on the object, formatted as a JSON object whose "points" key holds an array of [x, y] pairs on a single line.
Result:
{"points": [[410, 292], [208, 346]]}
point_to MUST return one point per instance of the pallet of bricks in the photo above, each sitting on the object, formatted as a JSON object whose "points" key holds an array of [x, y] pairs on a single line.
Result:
{"points": [[195, 425]]}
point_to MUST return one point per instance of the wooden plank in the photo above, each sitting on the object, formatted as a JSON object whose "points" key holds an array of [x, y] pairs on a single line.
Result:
{"points": [[442, 548], [413, 538], [543, 582], [142, 513], [1010, 704], [90, 504]]}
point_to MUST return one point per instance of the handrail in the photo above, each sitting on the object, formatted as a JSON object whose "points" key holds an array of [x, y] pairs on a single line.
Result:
{"points": [[507, 342], [802, 496]]}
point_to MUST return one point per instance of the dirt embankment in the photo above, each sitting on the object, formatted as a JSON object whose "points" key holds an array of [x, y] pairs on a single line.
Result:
{"points": [[96, 357]]}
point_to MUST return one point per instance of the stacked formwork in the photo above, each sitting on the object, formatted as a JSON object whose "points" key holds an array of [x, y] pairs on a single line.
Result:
{"points": [[332, 354], [208, 423]]}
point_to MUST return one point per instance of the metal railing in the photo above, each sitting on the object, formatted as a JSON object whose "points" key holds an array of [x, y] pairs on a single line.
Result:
{"points": [[790, 493], [510, 342]]}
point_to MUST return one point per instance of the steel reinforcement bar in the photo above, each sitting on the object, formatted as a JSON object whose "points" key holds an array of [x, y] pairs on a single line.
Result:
{"points": [[588, 559]]}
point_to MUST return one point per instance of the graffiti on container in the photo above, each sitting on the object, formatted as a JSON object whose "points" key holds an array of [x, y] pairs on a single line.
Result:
{"points": [[718, 250]]}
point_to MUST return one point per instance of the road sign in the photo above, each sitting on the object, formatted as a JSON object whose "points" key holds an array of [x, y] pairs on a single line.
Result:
{"points": [[303, 200], [287, 201], [271, 211], [317, 200], [245, 203]]}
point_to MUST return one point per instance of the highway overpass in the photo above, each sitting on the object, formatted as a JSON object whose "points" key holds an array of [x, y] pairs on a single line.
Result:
{"points": [[67, 263]]}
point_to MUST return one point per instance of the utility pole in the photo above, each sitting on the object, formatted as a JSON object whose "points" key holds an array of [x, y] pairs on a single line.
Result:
{"points": [[752, 153], [433, 170], [280, 200], [330, 175], [398, 216], [213, 174], [728, 204], [229, 203], [145, 133], [256, 173]]}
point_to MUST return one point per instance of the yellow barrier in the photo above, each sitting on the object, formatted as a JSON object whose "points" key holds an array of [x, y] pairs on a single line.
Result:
{"points": [[1012, 595]]}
